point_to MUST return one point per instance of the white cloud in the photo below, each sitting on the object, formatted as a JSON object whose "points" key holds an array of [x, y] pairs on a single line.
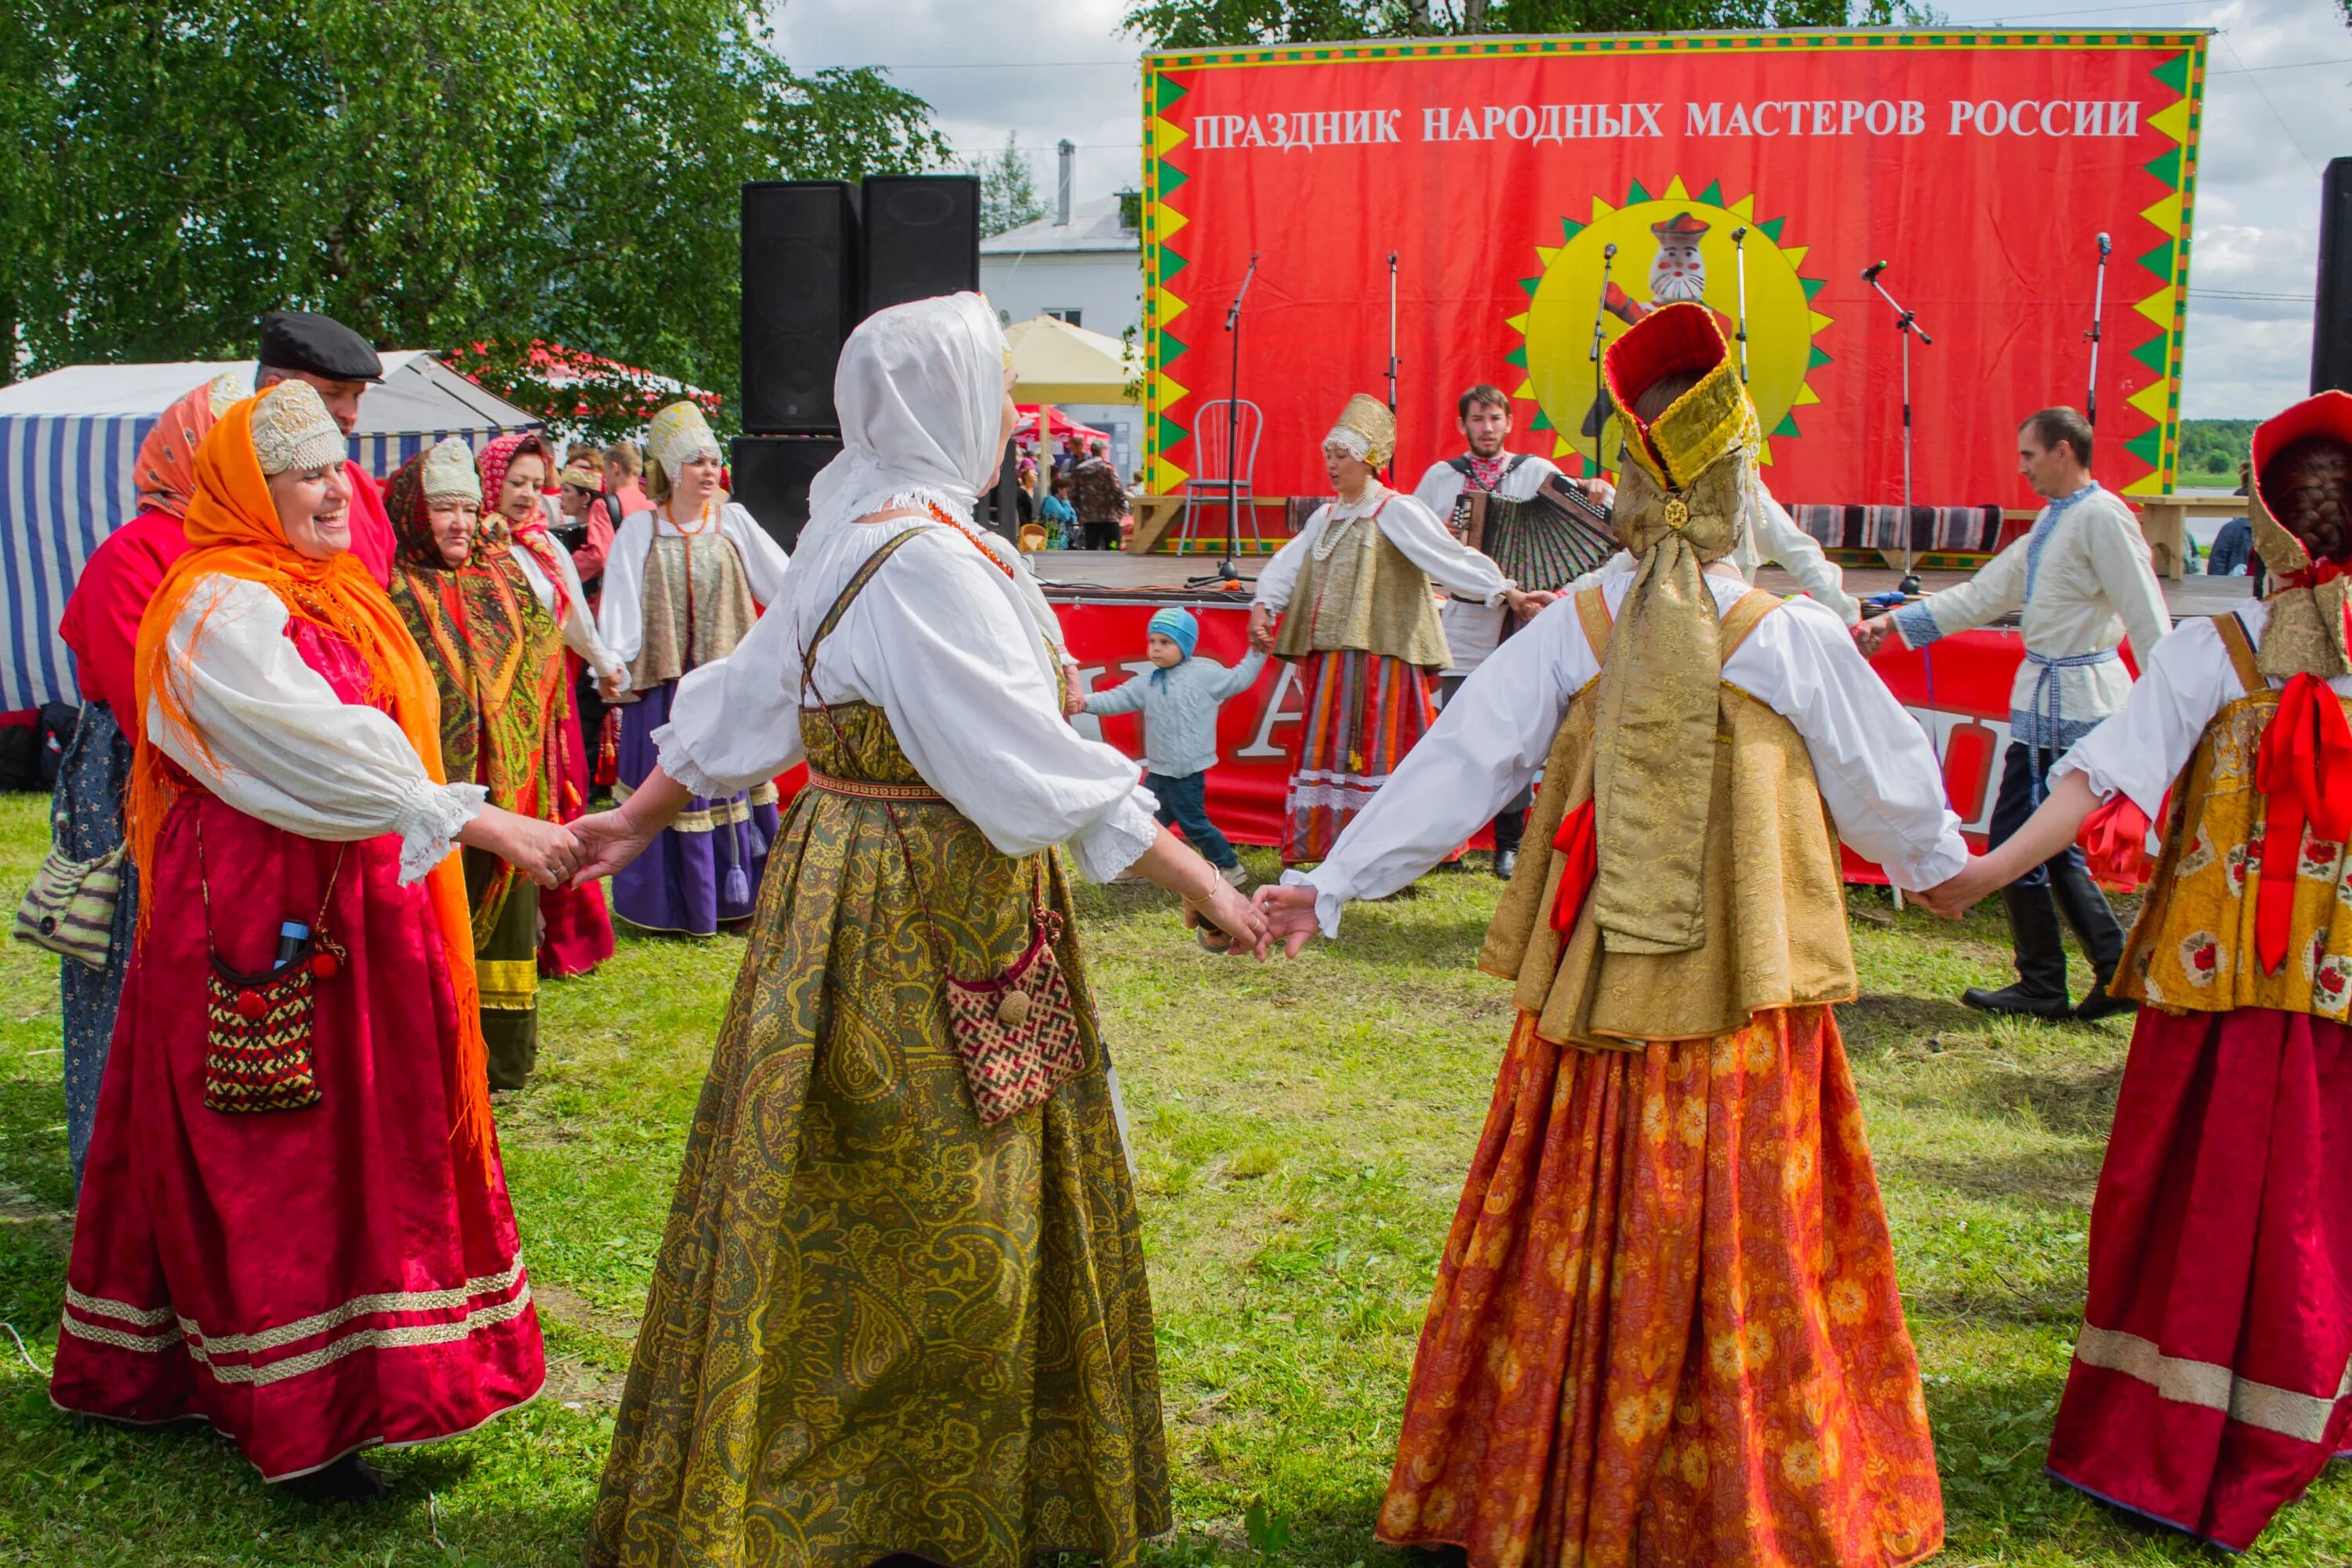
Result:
{"points": [[2278, 105]]}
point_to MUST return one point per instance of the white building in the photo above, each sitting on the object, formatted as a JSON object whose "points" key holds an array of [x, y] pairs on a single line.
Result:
{"points": [[1084, 263]]}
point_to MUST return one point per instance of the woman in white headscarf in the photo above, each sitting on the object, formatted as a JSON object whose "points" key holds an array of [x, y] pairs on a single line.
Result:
{"points": [[685, 580], [901, 1304]]}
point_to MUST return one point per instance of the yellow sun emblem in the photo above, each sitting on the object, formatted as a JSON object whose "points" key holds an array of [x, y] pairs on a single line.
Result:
{"points": [[1673, 244]]}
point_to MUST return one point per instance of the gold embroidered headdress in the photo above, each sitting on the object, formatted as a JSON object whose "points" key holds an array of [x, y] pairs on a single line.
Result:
{"points": [[1367, 428], [2306, 633], [1686, 491]]}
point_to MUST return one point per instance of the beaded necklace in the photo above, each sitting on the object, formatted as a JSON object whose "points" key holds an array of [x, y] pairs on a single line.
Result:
{"points": [[940, 514]]}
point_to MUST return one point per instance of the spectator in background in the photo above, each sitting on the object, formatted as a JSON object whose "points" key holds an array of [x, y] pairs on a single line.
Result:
{"points": [[2233, 547], [623, 464], [1100, 500], [1061, 519], [1073, 452]]}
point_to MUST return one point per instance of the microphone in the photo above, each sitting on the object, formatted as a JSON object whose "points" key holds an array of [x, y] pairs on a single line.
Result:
{"points": [[1608, 253], [1740, 234], [2104, 245], [1870, 273]]}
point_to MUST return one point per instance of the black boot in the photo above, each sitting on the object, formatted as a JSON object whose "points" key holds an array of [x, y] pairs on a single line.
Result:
{"points": [[349, 1479], [1510, 827], [2040, 988], [2095, 927]]}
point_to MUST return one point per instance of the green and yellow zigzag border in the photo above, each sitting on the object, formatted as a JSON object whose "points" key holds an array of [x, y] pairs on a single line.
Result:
{"points": [[2170, 216]]}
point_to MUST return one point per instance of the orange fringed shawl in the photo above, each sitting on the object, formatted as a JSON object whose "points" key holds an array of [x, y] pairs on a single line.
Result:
{"points": [[233, 531]]}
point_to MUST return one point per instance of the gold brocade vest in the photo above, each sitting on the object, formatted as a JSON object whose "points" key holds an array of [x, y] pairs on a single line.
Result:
{"points": [[2192, 948], [1773, 897], [698, 606], [1362, 592]]}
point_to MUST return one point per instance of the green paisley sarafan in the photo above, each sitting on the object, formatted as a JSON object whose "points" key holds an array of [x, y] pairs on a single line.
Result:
{"points": [[877, 1326]]}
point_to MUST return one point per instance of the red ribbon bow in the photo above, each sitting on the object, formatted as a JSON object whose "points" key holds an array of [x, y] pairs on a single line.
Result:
{"points": [[1580, 862], [2305, 767]]}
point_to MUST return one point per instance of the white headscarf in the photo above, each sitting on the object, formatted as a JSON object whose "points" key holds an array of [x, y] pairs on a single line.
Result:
{"points": [[920, 390]]}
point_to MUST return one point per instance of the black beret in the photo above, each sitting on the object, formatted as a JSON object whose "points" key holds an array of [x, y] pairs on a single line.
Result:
{"points": [[306, 341]]}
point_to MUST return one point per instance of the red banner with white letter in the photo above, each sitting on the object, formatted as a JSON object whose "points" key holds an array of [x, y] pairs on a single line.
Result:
{"points": [[1758, 174]]}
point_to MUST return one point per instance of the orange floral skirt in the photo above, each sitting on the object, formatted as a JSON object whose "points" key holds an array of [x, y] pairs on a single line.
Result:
{"points": [[1667, 1327]]}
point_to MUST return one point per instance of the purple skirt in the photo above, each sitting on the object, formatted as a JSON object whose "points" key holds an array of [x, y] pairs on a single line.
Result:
{"points": [[706, 867]]}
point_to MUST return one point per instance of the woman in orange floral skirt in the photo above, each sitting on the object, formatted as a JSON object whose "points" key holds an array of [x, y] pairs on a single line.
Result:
{"points": [[1665, 1327]]}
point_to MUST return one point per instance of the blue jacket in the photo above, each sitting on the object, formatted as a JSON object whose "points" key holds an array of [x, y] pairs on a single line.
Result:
{"points": [[1180, 711]]}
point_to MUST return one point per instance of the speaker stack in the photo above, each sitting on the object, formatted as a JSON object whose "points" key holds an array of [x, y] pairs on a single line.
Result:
{"points": [[819, 257], [2331, 322]]}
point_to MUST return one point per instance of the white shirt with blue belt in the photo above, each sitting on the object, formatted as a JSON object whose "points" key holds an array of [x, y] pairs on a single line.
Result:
{"points": [[2081, 581]]}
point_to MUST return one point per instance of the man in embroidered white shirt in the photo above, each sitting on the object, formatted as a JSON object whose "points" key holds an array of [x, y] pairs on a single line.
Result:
{"points": [[2081, 582], [1472, 630]]}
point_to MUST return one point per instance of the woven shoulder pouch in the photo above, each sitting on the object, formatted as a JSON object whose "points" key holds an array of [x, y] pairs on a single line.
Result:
{"points": [[69, 908]]}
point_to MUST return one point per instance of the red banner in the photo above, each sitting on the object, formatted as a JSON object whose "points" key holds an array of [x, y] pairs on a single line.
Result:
{"points": [[1957, 689], [1980, 166]]}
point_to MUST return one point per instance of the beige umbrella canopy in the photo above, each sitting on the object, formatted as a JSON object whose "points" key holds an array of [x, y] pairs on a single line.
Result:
{"points": [[1054, 361]]}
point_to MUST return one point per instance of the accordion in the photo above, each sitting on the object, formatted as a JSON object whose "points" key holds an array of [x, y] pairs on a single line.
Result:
{"points": [[1542, 543]]}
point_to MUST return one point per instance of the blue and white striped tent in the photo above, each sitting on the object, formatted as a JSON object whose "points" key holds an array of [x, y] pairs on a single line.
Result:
{"points": [[67, 440]]}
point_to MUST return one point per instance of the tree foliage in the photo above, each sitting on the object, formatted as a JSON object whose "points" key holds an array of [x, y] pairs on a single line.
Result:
{"points": [[1197, 24], [1008, 195], [436, 173]]}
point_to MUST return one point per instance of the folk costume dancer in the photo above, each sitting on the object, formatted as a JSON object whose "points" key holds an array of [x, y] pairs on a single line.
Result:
{"points": [[340, 365], [101, 624], [1365, 628], [575, 928], [1666, 1326], [682, 586], [294, 1225], [2081, 581], [1483, 415], [880, 1325], [2208, 1387]]}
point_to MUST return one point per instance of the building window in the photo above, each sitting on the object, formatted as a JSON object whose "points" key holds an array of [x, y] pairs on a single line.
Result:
{"points": [[1069, 313]]}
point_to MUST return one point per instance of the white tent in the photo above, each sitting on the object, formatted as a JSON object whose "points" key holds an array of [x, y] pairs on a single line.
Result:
{"points": [[67, 441]]}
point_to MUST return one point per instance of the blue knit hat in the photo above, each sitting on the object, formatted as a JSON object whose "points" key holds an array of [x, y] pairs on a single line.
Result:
{"points": [[1178, 626]]}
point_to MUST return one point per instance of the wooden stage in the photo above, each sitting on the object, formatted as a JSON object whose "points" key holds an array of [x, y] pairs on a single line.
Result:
{"points": [[1107, 575]]}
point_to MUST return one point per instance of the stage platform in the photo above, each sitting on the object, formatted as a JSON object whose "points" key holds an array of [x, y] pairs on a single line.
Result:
{"points": [[1079, 577]]}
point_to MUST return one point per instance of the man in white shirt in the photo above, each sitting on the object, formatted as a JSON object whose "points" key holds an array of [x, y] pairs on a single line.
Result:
{"points": [[2081, 582], [1473, 629]]}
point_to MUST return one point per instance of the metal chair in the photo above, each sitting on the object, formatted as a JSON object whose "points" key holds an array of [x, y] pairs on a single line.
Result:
{"points": [[1206, 493]]}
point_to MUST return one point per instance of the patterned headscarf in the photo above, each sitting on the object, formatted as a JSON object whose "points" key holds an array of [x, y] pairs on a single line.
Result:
{"points": [[499, 530], [167, 467]]}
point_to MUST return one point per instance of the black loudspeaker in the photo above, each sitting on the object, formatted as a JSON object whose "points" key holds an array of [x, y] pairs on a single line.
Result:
{"points": [[922, 237], [771, 476], [1000, 505], [2331, 322], [801, 285]]}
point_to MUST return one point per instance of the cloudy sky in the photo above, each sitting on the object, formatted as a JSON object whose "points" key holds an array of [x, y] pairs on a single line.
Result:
{"points": [[2278, 106]]}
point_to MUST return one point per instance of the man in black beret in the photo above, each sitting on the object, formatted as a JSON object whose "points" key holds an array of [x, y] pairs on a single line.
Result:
{"points": [[302, 345]]}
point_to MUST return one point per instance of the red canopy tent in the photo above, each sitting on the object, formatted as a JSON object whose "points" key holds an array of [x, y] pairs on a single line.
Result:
{"points": [[1058, 424]]}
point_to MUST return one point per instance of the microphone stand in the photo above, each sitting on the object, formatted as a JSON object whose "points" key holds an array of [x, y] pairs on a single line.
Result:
{"points": [[1597, 419], [1394, 361], [2098, 308], [1739, 265], [1908, 324], [1225, 577]]}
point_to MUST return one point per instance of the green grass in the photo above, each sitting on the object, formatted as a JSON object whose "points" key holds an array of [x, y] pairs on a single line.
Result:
{"points": [[1301, 1131]]}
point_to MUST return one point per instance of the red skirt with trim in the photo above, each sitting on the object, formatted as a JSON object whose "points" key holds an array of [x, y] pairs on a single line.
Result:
{"points": [[2210, 1379], [309, 1282], [1363, 713], [576, 932]]}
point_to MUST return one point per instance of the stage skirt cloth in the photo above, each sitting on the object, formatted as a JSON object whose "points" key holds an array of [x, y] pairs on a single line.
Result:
{"points": [[705, 869], [2209, 1377], [1363, 713], [506, 969], [309, 1281], [87, 814], [1665, 1328], [575, 928], [877, 1326]]}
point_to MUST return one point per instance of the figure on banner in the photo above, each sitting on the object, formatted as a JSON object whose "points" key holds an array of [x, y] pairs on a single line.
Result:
{"points": [[1178, 701], [1508, 506], [2206, 1385], [2081, 581], [1666, 1324], [1366, 629]]}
